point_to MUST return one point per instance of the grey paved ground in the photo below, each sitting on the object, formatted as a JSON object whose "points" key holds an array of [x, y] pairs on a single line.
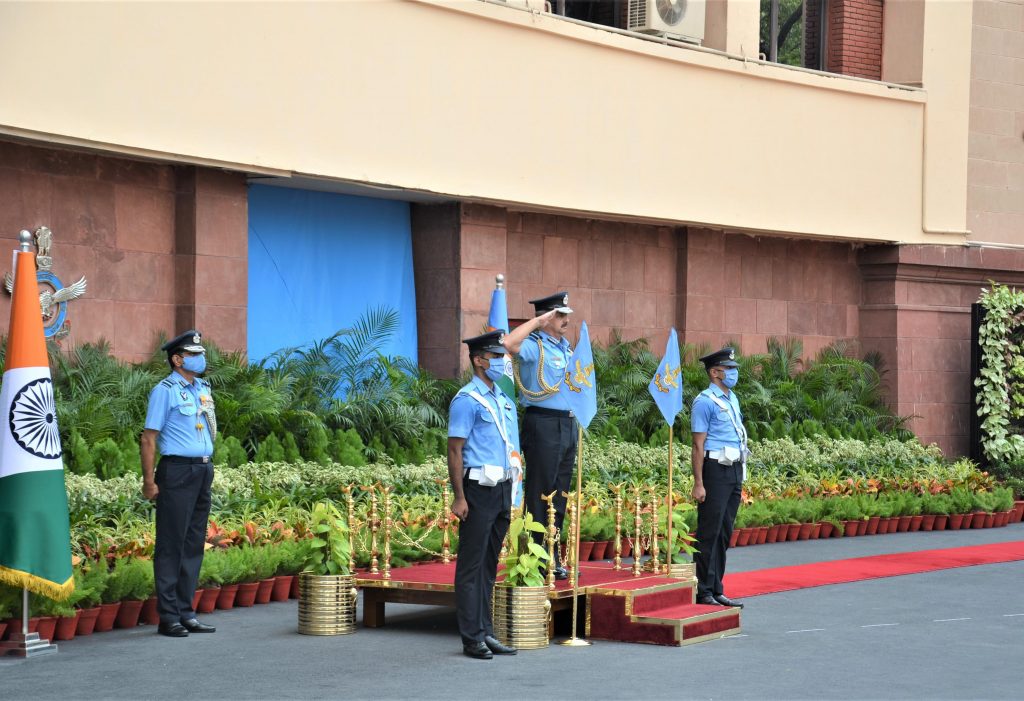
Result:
{"points": [[956, 634]]}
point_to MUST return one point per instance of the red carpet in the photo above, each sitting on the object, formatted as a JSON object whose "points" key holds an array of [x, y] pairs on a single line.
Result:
{"points": [[770, 581]]}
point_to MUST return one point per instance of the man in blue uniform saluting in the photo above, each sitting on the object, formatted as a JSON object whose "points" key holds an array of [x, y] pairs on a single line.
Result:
{"points": [[719, 467], [549, 428], [483, 465], [181, 421]]}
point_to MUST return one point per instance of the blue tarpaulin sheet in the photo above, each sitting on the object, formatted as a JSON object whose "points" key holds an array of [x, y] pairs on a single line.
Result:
{"points": [[318, 261]]}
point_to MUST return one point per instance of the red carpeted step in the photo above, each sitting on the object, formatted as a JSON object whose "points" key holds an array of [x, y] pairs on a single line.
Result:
{"points": [[644, 602], [681, 611]]}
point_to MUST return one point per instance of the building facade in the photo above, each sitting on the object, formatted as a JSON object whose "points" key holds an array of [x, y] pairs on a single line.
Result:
{"points": [[268, 172]]}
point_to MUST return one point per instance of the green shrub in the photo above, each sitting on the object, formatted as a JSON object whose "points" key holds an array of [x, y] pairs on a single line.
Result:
{"points": [[107, 459], [228, 451], [80, 457], [348, 448], [130, 578], [270, 450]]}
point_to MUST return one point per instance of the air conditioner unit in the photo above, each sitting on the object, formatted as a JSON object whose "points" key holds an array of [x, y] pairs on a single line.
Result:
{"points": [[681, 19]]}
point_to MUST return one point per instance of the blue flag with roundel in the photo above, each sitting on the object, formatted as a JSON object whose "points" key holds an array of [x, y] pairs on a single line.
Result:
{"points": [[667, 385], [580, 387]]}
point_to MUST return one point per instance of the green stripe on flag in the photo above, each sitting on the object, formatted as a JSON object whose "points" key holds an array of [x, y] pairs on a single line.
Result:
{"points": [[35, 547]]}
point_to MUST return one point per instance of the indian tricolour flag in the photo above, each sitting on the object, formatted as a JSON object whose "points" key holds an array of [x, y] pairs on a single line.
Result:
{"points": [[35, 540]]}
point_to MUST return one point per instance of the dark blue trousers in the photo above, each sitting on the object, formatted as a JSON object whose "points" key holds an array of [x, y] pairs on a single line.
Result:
{"points": [[182, 512], [480, 537], [549, 446], [715, 517]]}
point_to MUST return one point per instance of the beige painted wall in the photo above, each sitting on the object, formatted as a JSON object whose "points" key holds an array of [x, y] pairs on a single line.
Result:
{"points": [[486, 102], [995, 191]]}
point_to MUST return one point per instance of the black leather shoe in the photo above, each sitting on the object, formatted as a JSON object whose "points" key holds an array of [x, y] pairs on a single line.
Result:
{"points": [[495, 646], [561, 573], [194, 626], [172, 630], [726, 601], [708, 600], [478, 651]]}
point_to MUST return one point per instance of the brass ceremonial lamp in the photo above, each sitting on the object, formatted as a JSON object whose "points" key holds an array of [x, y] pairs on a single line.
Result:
{"points": [[374, 526], [388, 523], [655, 565], [446, 523], [351, 503], [638, 546], [552, 539], [617, 491]]}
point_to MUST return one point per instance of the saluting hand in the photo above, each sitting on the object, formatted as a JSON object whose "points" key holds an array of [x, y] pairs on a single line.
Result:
{"points": [[460, 508], [150, 490]]}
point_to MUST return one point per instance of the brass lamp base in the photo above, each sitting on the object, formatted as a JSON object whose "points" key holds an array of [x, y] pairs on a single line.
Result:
{"points": [[575, 642]]}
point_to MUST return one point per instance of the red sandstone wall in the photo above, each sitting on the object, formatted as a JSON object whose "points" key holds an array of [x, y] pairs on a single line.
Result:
{"points": [[618, 275], [161, 247], [855, 38], [746, 289]]}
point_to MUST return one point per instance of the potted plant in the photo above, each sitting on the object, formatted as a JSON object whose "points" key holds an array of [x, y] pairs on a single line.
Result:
{"points": [[590, 526], [242, 562], [521, 607], [94, 581], [287, 566], [129, 584], [327, 592], [265, 564], [211, 577]]}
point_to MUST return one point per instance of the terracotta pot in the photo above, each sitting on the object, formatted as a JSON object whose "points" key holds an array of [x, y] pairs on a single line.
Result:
{"points": [[762, 535], [208, 602], [149, 615], [265, 589], [1018, 511], [734, 538], [627, 547], [246, 594], [1004, 518], [128, 614], [46, 627], [851, 528], [783, 534], [805, 531], [226, 598], [600, 550], [794, 532], [3, 629], [196, 598], [989, 520], [978, 519], [915, 523], [825, 529], [282, 585], [14, 626], [870, 526], [586, 547], [941, 521], [293, 593], [928, 522], [66, 626], [815, 531], [87, 621], [108, 614], [956, 521], [743, 537], [904, 524], [773, 534]]}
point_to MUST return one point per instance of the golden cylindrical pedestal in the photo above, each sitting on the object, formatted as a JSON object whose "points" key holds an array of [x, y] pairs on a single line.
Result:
{"points": [[521, 616], [327, 604]]}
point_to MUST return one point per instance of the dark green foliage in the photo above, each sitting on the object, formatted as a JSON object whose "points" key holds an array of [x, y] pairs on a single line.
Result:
{"points": [[291, 449], [229, 451], [270, 450], [77, 454], [107, 459], [317, 445], [348, 448]]}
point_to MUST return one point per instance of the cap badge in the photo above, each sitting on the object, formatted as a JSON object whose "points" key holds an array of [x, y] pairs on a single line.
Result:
{"points": [[732, 355], [565, 301], [196, 339]]}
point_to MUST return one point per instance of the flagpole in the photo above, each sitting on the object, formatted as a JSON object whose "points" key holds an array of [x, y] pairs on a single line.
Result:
{"points": [[574, 641], [24, 611], [671, 499]]}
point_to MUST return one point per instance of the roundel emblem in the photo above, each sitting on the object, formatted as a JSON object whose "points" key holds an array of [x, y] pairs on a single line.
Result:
{"points": [[33, 419]]}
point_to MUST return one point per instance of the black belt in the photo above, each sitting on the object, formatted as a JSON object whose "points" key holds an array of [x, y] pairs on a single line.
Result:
{"points": [[181, 460], [549, 412]]}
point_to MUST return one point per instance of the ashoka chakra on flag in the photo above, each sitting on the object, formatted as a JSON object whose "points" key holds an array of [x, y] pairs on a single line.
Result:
{"points": [[33, 419]]}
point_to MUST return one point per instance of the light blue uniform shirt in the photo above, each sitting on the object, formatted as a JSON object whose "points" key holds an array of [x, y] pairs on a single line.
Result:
{"points": [[468, 419], [174, 406], [556, 358], [707, 417]]}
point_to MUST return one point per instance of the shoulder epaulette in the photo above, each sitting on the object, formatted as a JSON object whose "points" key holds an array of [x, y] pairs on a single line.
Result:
{"points": [[166, 382]]}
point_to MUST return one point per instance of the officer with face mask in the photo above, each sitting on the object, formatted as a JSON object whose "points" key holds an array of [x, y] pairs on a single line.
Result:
{"points": [[719, 467], [181, 421], [483, 466]]}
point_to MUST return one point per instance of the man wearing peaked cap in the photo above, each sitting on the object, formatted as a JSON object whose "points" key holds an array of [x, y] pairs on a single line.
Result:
{"points": [[719, 467], [181, 421], [549, 428], [483, 465]]}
